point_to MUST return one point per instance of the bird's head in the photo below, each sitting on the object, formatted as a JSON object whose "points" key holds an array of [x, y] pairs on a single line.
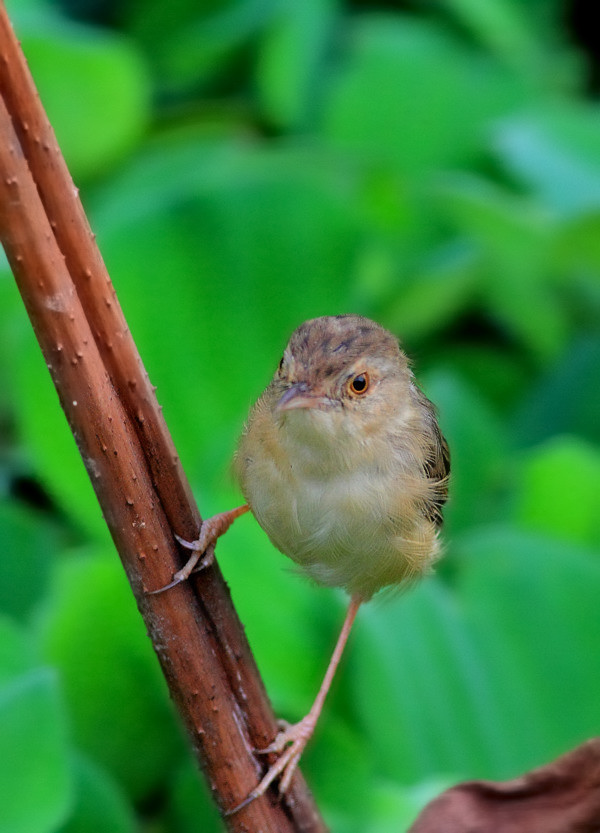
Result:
{"points": [[340, 376]]}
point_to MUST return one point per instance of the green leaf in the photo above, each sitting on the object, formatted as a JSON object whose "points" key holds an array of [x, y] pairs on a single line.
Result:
{"points": [[421, 690], [478, 447], [99, 803], [500, 25], [522, 37], [532, 608], [118, 701], [566, 399], [13, 323], [555, 150], [190, 802], [195, 43], [291, 54], [432, 296], [34, 772], [411, 96], [514, 238], [338, 748], [558, 490], [395, 807], [28, 543], [16, 651], [487, 679], [93, 85], [578, 247], [495, 372]]}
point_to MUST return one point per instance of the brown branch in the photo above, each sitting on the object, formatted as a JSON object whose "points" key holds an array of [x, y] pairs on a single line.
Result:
{"points": [[130, 458]]}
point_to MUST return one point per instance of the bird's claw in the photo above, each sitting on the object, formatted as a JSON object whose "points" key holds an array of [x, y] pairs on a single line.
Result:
{"points": [[202, 556], [189, 545], [289, 745], [282, 739], [203, 549]]}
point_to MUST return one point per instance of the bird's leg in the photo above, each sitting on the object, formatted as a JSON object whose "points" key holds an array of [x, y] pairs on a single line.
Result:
{"points": [[290, 742], [211, 529]]}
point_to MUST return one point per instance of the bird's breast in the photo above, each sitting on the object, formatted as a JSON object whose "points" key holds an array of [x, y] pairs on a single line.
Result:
{"points": [[345, 513]]}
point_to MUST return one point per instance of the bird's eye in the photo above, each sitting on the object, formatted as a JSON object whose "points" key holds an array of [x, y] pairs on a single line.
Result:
{"points": [[359, 384], [280, 364]]}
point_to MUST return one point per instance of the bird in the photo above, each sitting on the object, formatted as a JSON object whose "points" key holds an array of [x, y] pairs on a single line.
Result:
{"points": [[343, 464]]}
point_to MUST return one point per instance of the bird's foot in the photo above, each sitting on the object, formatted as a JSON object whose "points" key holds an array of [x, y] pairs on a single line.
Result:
{"points": [[289, 744], [203, 549]]}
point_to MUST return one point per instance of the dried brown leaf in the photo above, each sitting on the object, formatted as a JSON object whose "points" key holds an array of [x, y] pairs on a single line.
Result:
{"points": [[560, 797]]}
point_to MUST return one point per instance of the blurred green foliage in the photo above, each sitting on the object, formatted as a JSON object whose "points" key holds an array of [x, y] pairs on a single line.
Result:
{"points": [[247, 164]]}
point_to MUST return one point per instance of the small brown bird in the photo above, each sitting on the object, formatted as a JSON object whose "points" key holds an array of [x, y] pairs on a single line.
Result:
{"points": [[344, 466]]}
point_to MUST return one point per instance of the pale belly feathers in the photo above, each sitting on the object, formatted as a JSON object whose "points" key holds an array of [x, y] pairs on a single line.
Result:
{"points": [[353, 527]]}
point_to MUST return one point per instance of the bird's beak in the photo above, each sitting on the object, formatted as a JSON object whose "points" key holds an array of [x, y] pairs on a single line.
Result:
{"points": [[301, 396]]}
